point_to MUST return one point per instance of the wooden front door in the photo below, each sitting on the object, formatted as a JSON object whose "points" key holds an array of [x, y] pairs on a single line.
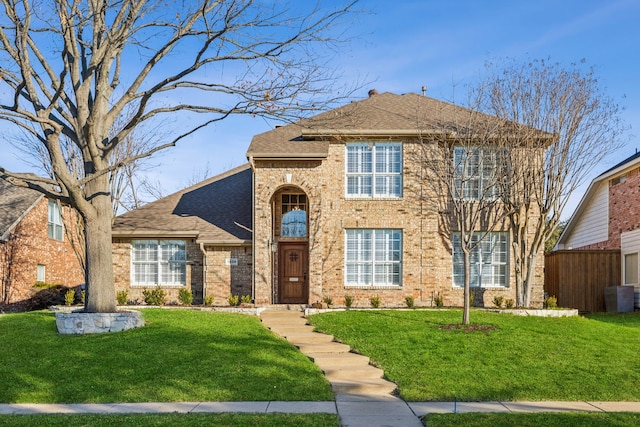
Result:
{"points": [[294, 266]]}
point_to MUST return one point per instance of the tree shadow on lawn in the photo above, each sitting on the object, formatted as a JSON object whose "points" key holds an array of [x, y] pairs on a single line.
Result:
{"points": [[160, 362]]}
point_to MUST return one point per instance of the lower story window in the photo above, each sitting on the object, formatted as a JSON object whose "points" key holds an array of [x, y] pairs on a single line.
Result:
{"points": [[158, 262], [373, 257], [489, 260]]}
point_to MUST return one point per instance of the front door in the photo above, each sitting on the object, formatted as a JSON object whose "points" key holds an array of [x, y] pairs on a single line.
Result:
{"points": [[294, 266]]}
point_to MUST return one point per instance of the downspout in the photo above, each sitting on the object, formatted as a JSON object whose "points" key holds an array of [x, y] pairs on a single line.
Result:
{"points": [[204, 272], [253, 229]]}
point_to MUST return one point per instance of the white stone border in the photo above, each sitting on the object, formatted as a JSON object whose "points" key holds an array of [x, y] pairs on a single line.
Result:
{"points": [[80, 323]]}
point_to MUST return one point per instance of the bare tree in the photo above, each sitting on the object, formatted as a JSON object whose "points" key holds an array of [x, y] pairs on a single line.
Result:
{"points": [[580, 125], [462, 160], [72, 67]]}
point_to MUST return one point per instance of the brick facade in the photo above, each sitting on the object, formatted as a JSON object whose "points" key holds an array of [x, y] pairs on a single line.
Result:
{"points": [[29, 246], [222, 275], [426, 254]]}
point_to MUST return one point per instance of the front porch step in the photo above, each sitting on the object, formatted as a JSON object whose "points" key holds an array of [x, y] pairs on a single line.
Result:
{"points": [[287, 307], [376, 386], [307, 337], [343, 360], [351, 373], [329, 347]]}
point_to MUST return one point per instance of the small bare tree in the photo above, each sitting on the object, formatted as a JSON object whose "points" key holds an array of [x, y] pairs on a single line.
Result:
{"points": [[72, 67], [563, 114], [462, 160]]}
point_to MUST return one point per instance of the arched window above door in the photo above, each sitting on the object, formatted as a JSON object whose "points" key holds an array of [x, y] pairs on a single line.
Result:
{"points": [[294, 215], [294, 223]]}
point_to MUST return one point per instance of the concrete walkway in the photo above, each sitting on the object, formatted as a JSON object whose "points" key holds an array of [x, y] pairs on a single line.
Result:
{"points": [[363, 396]]}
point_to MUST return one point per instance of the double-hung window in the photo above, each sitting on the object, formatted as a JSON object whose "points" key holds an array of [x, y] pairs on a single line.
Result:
{"points": [[373, 257], [476, 172], [489, 260], [54, 226], [158, 262], [374, 170]]}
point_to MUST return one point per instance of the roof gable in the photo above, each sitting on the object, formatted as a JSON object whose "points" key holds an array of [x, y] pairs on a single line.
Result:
{"points": [[15, 203], [217, 210]]}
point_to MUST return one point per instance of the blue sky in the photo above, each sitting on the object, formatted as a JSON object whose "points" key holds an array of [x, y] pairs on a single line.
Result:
{"points": [[401, 46]]}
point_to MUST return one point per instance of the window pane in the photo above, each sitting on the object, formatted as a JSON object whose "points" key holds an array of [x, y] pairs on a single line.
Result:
{"points": [[366, 179], [373, 257], [631, 269]]}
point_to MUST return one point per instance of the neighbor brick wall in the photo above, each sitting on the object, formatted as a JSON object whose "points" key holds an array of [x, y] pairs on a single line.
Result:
{"points": [[28, 246]]}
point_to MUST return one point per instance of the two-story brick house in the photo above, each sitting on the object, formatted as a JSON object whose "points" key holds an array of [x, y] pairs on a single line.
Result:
{"points": [[33, 244], [326, 207]]}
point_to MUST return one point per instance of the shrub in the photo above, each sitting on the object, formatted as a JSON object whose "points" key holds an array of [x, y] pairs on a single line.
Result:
{"points": [[185, 296], [410, 301], [208, 300], [83, 295], [438, 300], [498, 300], [245, 299], [156, 296], [122, 297], [375, 301], [509, 303], [328, 301], [53, 295], [44, 285], [472, 298], [69, 297], [348, 300], [233, 300], [550, 302]]}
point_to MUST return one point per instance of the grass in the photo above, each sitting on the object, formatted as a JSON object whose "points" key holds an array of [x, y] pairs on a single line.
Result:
{"points": [[181, 355], [572, 419], [174, 420], [523, 358]]}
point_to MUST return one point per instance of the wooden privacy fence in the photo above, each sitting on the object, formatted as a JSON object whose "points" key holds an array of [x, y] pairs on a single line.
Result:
{"points": [[578, 277]]}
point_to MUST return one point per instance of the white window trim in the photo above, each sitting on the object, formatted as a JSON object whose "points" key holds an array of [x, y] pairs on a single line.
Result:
{"points": [[480, 264], [54, 221], [41, 273], [624, 268], [373, 174], [159, 264], [373, 262]]}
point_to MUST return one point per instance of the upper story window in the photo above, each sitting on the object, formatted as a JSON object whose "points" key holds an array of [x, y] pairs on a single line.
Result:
{"points": [[476, 173], [374, 169], [158, 262], [294, 215], [54, 228]]}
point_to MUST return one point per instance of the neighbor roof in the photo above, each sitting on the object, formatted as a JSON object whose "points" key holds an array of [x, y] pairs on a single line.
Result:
{"points": [[15, 203], [383, 115], [217, 211]]}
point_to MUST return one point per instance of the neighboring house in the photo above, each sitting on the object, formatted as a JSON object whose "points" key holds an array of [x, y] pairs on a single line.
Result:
{"points": [[33, 244], [608, 217], [326, 207]]}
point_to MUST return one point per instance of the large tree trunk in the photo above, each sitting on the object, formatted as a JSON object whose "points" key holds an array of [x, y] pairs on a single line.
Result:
{"points": [[100, 296]]}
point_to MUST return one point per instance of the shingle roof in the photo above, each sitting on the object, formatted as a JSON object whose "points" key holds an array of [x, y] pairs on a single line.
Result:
{"points": [[15, 202], [383, 115], [217, 210]]}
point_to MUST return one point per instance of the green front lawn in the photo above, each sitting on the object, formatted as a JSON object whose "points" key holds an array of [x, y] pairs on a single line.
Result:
{"points": [[523, 358], [181, 355], [174, 420], [574, 419]]}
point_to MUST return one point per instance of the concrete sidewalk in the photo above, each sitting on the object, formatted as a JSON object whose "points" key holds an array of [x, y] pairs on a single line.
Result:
{"points": [[361, 406]]}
